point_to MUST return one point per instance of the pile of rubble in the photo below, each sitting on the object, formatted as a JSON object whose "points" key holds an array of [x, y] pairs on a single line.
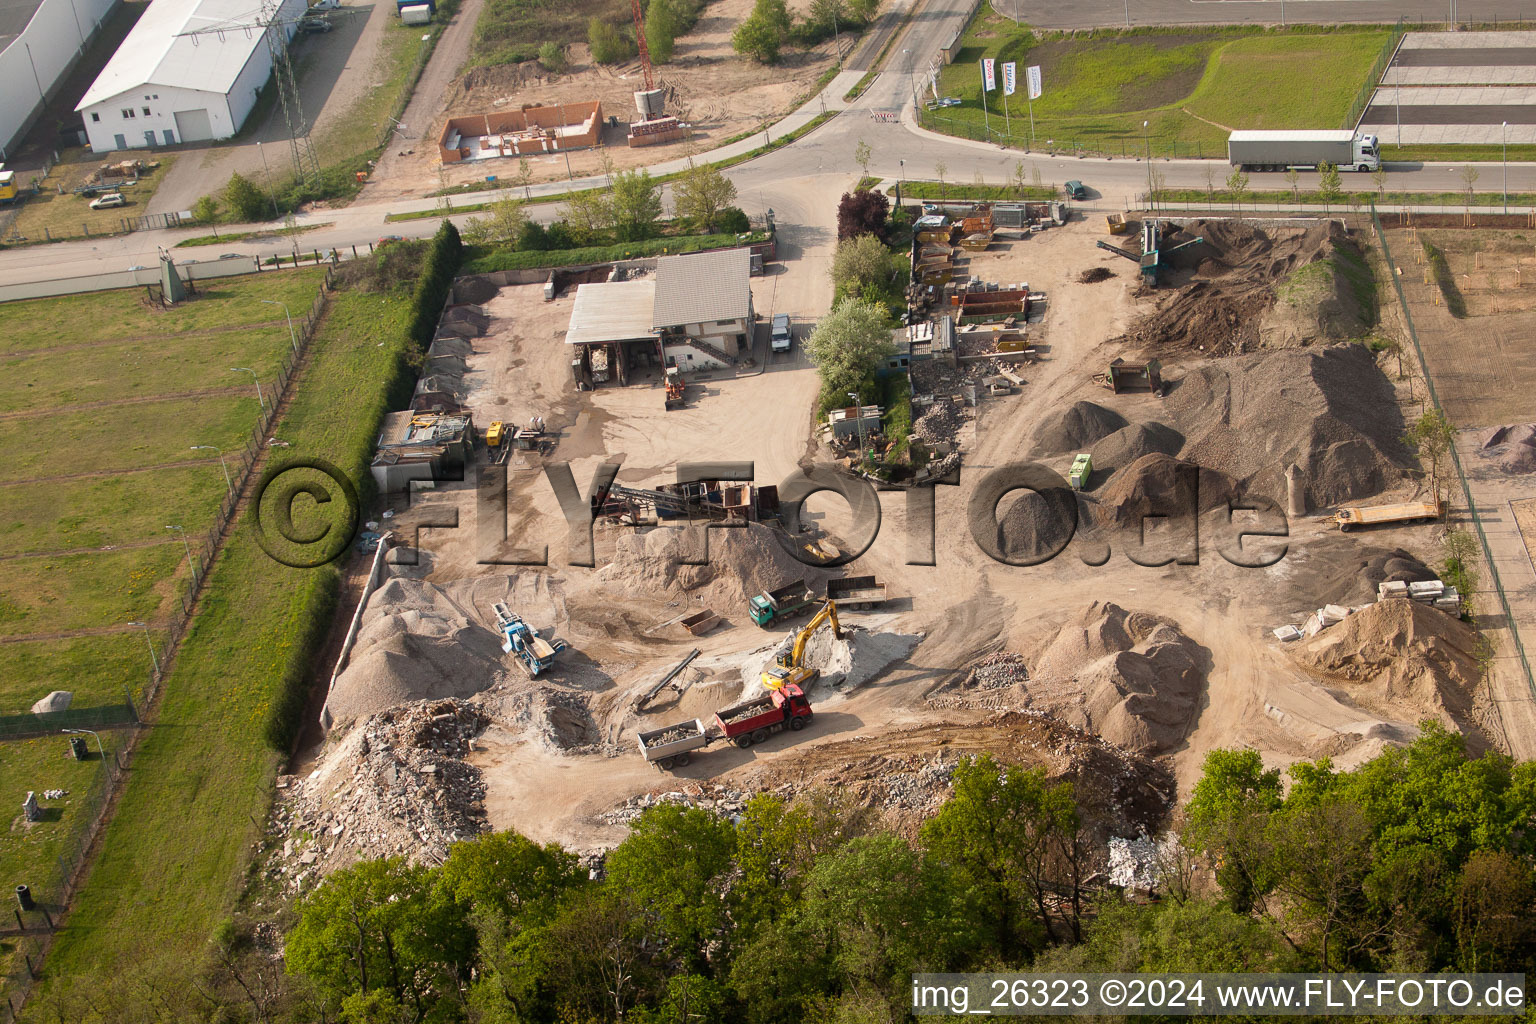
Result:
{"points": [[719, 800], [1138, 864], [938, 424], [996, 670], [396, 786]]}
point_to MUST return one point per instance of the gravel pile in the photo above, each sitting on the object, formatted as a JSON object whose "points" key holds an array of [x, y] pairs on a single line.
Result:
{"points": [[397, 786], [939, 424], [1077, 428], [1162, 485], [1331, 411], [1130, 443], [1512, 448]]}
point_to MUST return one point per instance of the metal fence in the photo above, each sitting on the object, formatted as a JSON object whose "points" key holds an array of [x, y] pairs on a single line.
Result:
{"points": [[54, 892], [1466, 488], [1362, 98]]}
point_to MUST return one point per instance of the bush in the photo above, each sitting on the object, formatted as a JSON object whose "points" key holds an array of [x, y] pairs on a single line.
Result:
{"points": [[552, 57], [532, 237], [608, 45], [661, 28], [245, 200], [206, 210], [732, 219], [861, 213], [501, 259], [558, 236], [763, 33]]}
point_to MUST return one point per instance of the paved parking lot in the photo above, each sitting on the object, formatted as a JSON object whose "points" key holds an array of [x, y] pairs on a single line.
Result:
{"points": [[1462, 87]]}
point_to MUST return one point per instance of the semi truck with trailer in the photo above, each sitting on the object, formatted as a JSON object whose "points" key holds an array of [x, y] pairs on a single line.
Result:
{"points": [[1279, 151]]}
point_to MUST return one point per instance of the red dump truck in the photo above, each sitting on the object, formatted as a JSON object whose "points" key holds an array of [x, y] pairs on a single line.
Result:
{"points": [[744, 723]]}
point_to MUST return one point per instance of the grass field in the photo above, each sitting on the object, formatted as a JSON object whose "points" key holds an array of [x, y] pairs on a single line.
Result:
{"points": [[96, 511], [1191, 86], [49, 214], [172, 859]]}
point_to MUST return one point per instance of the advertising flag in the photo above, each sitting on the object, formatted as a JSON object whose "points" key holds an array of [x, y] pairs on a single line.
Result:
{"points": [[1032, 73], [988, 75], [1010, 78]]}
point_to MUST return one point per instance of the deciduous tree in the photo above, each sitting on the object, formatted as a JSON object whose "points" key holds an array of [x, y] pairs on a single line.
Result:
{"points": [[703, 194]]}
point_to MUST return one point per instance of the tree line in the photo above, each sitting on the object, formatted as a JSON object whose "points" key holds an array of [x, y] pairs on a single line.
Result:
{"points": [[1418, 860]]}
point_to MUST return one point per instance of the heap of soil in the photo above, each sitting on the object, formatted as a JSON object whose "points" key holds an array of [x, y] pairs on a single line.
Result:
{"points": [[845, 664], [1076, 428], [1403, 659], [742, 562], [1350, 577], [1033, 525], [1513, 448], [1095, 274], [1152, 485], [1130, 677], [1130, 443], [426, 641], [1243, 288], [1331, 411]]}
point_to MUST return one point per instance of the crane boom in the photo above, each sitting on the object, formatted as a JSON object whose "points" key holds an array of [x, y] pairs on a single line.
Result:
{"points": [[645, 51]]}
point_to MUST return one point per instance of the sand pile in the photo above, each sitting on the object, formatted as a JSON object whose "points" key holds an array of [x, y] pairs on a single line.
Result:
{"points": [[1247, 286], [1130, 443], [396, 786], [1160, 485], [1331, 411], [423, 641], [1076, 428], [1130, 677], [742, 562], [1401, 658], [1512, 448]]}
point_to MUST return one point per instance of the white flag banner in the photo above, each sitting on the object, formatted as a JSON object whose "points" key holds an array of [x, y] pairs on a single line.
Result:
{"points": [[1010, 78], [988, 74], [1032, 75], [933, 82]]}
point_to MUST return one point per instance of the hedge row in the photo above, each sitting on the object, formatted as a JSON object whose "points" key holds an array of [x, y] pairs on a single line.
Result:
{"points": [[444, 257], [486, 262]]}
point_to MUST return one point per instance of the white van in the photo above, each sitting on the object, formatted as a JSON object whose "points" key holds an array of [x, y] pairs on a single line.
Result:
{"points": [[780, 340]]}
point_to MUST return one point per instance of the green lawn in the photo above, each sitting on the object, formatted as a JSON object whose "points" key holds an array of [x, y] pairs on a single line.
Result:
{"points": [[1098, 90], [138, 369], [1457, 154], [97, 669], [44, 595], [49, 215], [96, 511], [360, 130], [172, 861], [30, 851], [999, 193], [127, 437], [1268, 198], [119, 315]]}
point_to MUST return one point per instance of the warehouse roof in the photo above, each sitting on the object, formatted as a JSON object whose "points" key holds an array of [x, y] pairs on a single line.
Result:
{"points": [[702, 287], [611, 311], [14, 15], [156, 52]]}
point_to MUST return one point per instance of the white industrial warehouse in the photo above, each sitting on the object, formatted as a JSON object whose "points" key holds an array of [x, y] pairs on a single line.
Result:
{"points": [[39, 42], [190, 70]]}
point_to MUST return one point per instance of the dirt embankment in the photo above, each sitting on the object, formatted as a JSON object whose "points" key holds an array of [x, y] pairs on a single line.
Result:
{"points": [[1246, 287]]}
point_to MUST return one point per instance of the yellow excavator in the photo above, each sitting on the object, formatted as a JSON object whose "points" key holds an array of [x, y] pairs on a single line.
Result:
{"points": [[788, 669]]}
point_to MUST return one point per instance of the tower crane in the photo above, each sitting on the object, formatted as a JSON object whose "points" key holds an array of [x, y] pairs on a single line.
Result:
{"points": [[645, 51]]}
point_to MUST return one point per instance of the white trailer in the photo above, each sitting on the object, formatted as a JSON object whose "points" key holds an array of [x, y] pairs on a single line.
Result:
{"points": [[1304, 150]]}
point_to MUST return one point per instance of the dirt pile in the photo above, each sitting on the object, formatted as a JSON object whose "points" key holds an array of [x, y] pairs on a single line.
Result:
{"points": [[1403, 659], [1348, 577], [559, 719], [742, 562], [424, 641], [1093, 275], [1511, 448], [1161, 485], [1076, 428], [1331, 411], [1032, 525], [396, 786], [1130, 677], [1247, 286], [1130, 443]]}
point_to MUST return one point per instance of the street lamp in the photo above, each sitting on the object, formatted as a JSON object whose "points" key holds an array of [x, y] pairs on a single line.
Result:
{"points": [[184, 542], [899, 179], [267, 174], [858, 421], [293, 339], [247, 369], [99, 748], [1506, 166], [1127, 13], [211, 448], [154, 659]]}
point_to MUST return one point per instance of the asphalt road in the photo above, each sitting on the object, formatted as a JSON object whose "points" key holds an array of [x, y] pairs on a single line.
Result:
{"points": [[900, 150]]}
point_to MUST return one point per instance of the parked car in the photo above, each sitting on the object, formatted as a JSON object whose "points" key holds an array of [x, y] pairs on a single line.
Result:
{"points": [[780, 340], [314, 25], [108, 201], [232, 256], [1075, 190]]}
